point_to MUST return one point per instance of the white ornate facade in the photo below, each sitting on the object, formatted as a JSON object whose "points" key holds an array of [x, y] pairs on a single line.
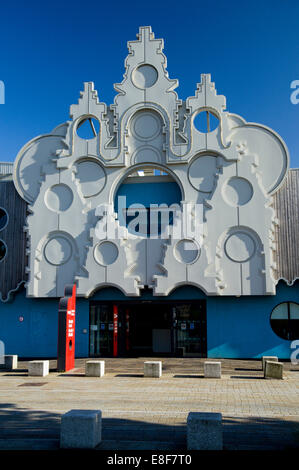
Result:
{"points": [[231, 171]]}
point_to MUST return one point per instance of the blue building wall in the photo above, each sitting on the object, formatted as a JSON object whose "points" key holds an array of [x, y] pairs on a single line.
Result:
{"points": [[236, 327], [240, 326]]}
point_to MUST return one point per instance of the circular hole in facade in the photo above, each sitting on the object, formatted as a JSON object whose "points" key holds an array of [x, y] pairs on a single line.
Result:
{"points": [[88, 128], [237, 191], [240, 247], [186, 251], [206, 121], [59, 198], [3, 250], [106, 253], [146, 201], [144, 76], [3, 218]]}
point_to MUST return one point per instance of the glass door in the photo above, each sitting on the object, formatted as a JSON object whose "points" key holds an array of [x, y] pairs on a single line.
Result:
{"points": [[191, 328], [101, 330]]}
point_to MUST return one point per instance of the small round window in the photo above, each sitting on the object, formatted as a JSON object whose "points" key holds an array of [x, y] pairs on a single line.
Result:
{"points": [[285, 320], [3, 250], [3, 218], [88, 128], [205, 121]]}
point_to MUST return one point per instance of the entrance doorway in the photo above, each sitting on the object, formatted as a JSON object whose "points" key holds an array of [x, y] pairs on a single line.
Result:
{"points": [[148, 328]]}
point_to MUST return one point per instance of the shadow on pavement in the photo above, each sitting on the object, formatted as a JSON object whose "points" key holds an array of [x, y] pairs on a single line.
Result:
{"points": [[23, 426]]}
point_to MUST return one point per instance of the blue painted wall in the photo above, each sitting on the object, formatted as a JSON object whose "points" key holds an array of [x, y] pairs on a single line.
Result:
{"points": [[236, 327], [240, 326], [36, 335]]}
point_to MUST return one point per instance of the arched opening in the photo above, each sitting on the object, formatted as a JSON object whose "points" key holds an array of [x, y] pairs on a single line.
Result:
{"points": [[146, 200], [148, 326]]}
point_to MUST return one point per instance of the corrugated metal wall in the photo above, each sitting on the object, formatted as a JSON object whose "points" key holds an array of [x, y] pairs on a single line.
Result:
{"points": [[6, 168], [12, 267], [286, 204]]}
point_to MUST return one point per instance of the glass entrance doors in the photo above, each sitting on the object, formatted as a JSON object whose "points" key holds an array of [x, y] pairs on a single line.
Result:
{"points": [[148, 328]]}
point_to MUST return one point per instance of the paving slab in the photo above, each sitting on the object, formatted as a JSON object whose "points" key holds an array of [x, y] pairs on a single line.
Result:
{"points": [[146, 413]]}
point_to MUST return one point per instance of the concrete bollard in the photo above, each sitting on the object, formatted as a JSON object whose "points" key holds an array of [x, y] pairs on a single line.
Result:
{"points": [[38, 368], [153, 369], [95, 368], [273, 370], [9, 362], [204, 431], [81, 429], [268, 358], [212, 370]]}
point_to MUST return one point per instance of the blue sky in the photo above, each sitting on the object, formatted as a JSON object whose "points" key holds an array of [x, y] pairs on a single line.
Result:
{"points": [[48, 49]]}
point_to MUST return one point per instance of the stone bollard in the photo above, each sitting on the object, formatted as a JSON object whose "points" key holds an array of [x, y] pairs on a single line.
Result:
{"points": [[95, 368], [10, 362], [268, 358], [153, 369], [204, 431], [212, 370], [81, 429], [38, 368], [273, 370]]}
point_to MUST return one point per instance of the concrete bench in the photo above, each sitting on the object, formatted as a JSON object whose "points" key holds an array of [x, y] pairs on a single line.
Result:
{"points": [[212, 370], [268, 358], [81, 429], [9, 362], [273, 370], [204, 431], [153, 369], [38, 368], [95, 368]]}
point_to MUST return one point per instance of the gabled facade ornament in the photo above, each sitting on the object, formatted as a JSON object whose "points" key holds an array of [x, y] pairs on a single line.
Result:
{"points": [[231, 172]]}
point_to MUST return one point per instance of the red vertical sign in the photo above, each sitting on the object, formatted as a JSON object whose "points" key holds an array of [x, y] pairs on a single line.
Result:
{"points": [[66, 330], [115, 329]]}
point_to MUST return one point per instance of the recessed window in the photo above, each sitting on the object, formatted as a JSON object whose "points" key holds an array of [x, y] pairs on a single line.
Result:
{"points": [[3, 250], [3, 218], [206, 121], [285, 320], [88, 128]]}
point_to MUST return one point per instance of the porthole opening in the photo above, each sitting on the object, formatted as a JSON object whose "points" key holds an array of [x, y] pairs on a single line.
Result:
{"points": [[3, 250], [3, 219], [285, 320], [206, 121], [88, 128], [147, 201]]}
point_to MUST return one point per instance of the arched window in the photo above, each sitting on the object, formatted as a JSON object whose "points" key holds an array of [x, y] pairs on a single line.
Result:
{"points": [[285, 320]]}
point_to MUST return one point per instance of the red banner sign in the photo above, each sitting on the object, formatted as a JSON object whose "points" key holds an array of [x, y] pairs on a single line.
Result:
{"points": [[66, 330], [115, 330]]}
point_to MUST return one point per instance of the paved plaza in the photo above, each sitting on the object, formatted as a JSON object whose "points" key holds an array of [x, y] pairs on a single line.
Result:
{"points": [[151, 413]]}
